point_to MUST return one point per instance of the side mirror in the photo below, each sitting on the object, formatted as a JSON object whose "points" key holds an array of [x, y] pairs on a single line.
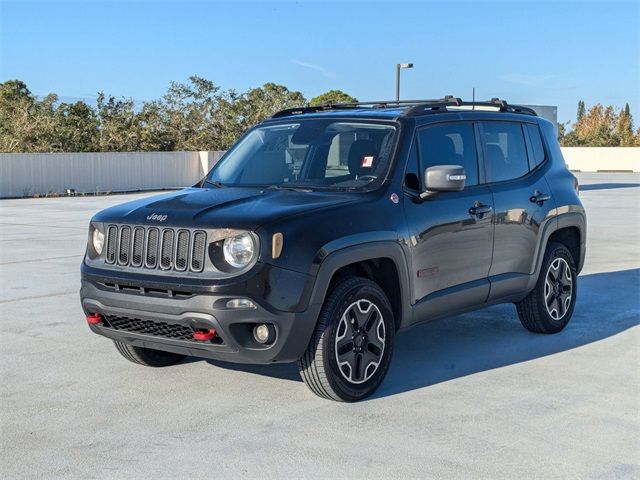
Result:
{"points": [[443, 178]]}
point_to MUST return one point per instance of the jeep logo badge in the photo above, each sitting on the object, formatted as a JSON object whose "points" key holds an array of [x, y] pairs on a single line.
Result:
{"points": [[155, 216]]}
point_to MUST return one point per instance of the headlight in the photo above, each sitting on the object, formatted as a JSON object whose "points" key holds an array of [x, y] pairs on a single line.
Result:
{"points": [[98, 240], [239, 250]]}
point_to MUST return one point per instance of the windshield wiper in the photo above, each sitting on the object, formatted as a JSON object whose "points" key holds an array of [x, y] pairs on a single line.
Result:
{"points": [[292, 189], [215, 183]]}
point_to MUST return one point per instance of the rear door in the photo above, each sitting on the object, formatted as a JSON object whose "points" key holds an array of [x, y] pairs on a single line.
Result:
{"points": [[522, 199], [451, 233]]}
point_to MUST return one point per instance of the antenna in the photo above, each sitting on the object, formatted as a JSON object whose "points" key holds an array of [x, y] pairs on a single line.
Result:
{"points": [[473, 95]]}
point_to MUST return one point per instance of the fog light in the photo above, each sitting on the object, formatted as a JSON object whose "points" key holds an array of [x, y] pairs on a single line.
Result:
{"points": [[240, 303], [261, 333]]}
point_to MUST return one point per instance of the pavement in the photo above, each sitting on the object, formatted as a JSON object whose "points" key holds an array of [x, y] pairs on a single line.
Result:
{"points": [[475, 396]]}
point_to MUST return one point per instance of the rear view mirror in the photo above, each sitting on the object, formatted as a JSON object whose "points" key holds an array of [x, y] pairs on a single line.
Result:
{"points": [[443, 178]]}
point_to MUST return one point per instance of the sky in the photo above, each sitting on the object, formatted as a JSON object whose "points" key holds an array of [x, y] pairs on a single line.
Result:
{"points": [[529, 52]]}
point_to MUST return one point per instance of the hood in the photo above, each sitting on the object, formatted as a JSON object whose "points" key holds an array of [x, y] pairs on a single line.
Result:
{"points": [[247, 208]]}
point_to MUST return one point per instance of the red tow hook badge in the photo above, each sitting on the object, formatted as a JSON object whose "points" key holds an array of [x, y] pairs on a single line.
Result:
{"points": [[204, 335], [94, 319]]}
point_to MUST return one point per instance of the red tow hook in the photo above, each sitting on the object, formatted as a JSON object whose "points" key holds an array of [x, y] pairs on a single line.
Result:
{"points": [[204, 335], [94, 319]]}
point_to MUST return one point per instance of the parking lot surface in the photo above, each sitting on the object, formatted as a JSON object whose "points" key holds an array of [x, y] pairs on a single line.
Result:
{"points": [[475, 396]]}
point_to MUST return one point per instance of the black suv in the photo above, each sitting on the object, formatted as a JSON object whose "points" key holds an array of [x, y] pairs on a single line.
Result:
{"points": [[325, 230]]}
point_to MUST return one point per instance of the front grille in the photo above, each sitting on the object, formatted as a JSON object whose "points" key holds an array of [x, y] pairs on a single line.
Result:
{"points": [[152, 247], [153, 328]]}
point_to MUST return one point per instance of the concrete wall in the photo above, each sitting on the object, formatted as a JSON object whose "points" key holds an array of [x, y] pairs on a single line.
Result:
{"points": [[29, 174], [595, 159]]}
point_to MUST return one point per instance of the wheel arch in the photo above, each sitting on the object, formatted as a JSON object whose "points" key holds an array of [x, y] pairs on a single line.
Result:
{"points": [[569, 229], [570, 237], [382, 262]]}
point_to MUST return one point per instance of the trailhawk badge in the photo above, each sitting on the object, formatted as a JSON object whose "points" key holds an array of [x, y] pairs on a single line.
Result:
{"points": [[155, 216]]}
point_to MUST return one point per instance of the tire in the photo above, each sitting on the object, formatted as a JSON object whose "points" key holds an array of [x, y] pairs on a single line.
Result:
{"points": [[147, 356], [549, 306], [356, 321]]}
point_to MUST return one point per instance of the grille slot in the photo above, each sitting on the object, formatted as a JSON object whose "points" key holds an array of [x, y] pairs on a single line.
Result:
{"points": [[166, 255], [112, 243], [182, 250], [125, 245], [154, 247], [153, 328], [198, 250], [153, 236], [138, 247]]}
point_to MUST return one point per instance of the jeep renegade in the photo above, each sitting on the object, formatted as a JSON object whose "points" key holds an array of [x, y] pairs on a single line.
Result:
{"points": [[324, 230]]}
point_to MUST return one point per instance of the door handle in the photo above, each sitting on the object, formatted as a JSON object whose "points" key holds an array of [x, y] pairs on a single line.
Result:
{"points": [[479, 209], [539, 198]]}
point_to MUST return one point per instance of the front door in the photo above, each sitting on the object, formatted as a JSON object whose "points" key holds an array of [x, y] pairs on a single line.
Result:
{"points": [[451, 233]]}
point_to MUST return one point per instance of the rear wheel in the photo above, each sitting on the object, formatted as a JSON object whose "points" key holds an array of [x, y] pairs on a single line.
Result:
{"points": [[350, 350], [549, 307], [147, 356]]}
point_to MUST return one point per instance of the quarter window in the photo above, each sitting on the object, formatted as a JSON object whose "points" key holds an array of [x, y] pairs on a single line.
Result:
{"points": [[506, 152], [536, 144], [450, 144]]}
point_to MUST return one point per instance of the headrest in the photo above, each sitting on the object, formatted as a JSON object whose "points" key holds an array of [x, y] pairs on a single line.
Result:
{"points": [[495, 154]]}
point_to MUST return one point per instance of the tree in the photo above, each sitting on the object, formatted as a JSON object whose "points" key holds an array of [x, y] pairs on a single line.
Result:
{"points": [[594, 129], [238, 112], [562, 132], [262, 102], [332, 96], [581, 111], [199, 115], [76, 128], [184, 115], [16, 102], [26, 123], [119, 124], [624, 127]]}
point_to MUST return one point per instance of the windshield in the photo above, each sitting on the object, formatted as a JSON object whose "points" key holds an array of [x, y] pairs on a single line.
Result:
{"points": [[312, 153]]}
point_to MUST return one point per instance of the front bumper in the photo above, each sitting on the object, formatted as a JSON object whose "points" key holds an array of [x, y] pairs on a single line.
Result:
{"points": [[202, 310]]}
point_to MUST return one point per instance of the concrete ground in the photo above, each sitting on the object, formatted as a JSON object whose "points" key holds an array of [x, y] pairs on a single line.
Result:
{"points": [[470, 397]]}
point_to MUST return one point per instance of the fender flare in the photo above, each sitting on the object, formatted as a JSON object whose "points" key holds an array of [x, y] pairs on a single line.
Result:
{"points": [[564, 220], [332, 262]]}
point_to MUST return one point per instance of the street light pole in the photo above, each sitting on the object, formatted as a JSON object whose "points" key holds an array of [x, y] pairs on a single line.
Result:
{"points": [[398, 67]]}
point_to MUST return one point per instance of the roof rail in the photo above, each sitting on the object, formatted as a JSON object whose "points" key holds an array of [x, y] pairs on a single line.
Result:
{"points": [[414, 107], [347, 106], [450, 101]]}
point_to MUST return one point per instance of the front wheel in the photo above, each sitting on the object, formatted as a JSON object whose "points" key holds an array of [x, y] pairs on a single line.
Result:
{"points": [[549, 307], [351, 348]]}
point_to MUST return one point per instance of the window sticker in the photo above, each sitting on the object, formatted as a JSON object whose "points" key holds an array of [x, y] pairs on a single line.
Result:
{"points": [[367, 161]]}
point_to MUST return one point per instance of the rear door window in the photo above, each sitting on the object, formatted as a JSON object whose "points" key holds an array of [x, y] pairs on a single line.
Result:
{"points": [[449, 144], [505, 151]]}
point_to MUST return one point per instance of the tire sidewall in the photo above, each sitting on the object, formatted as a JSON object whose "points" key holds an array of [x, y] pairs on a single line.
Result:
{"points": [[550, 324], [347, 390]]}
